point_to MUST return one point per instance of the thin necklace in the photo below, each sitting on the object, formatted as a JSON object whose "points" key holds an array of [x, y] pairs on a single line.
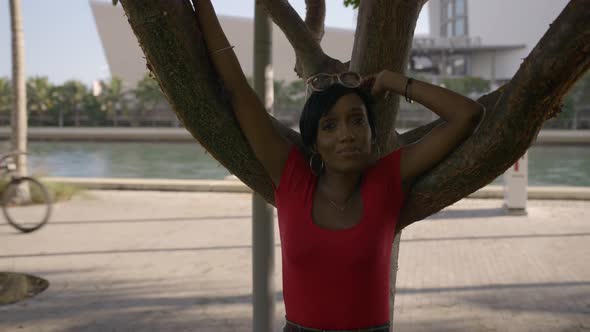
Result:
{"points": [[340, 209]]}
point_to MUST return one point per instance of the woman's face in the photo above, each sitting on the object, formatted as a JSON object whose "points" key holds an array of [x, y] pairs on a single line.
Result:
{"points": [[344, 136]]}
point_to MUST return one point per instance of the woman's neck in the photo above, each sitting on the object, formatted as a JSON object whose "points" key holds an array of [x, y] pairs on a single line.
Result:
{"points": [[339, 186]]}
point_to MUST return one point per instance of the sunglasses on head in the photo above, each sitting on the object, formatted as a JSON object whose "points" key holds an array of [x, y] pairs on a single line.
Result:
{"points": [[322, 81]]}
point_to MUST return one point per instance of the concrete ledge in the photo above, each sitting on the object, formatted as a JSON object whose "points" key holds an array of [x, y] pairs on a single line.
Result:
{"points": [[492, 191], [153, 184], [538, 192], [565, 137], [104, 134]]}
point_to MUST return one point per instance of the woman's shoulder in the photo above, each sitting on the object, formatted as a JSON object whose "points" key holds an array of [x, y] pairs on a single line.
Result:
{"points": [[391, 157], [388, 163], [296, 154], [295, 169]]}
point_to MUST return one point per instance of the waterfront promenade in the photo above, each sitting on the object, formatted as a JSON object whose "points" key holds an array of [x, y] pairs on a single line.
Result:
{"points": [[163, 134], [181, 261]]}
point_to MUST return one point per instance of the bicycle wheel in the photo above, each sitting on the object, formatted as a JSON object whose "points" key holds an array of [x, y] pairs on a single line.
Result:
{"points": [[26, 204]]}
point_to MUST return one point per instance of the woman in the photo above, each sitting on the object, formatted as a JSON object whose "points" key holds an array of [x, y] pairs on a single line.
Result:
{"points": [[338, 211]]}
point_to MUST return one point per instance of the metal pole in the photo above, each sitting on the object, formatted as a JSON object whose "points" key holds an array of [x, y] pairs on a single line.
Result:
{"points": [[262, 213]]}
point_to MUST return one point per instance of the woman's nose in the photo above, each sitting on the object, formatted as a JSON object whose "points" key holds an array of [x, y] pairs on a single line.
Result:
{"points": [[346, 132]]}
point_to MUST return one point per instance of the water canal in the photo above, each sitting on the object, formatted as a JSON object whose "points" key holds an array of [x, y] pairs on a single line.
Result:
{"points": [[548, 165]]}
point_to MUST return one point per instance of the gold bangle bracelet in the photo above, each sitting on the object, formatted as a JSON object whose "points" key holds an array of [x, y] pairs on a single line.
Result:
{"points": [[223, 49], [408, 83]]}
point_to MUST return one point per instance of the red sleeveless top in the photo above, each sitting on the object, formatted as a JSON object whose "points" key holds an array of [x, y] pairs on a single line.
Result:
{"points": [[337, 279]]}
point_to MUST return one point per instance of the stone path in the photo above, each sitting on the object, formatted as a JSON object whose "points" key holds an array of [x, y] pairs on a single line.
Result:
{"points": [[174, 261]]}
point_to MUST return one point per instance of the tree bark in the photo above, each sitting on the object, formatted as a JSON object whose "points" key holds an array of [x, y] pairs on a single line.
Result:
{"points": [[304, 39], [315, 16], [378, 46], [19, 112]]}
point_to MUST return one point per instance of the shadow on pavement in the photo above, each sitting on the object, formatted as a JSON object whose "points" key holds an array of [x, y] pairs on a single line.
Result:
{"points": [[129, 251], [153, 305]]}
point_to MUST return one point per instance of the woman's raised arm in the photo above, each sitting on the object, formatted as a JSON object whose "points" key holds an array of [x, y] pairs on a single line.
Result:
{"points": [[270, 148], [460, 113]]}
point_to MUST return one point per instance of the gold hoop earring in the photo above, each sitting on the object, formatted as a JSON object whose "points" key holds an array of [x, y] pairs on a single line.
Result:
{"points": [[378, 149], [311, 164]]}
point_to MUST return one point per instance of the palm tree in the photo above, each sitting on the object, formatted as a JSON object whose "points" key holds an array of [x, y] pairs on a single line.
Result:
{"points": [[112, 99], [5, 96], [69, 98], [148, 96], [39, 99], [19, 118], [578, 98]]}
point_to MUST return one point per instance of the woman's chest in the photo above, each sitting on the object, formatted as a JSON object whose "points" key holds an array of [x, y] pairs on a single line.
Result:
{"points": [[329, 215], [356, 239]]}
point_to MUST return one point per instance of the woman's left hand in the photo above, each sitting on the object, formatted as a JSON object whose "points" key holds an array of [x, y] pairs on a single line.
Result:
{"points": [[378, 83]]}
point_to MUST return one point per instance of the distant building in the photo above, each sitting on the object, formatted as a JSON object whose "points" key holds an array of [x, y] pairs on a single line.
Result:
{"points": [[126, 60], [479, 38], [482, 38]]}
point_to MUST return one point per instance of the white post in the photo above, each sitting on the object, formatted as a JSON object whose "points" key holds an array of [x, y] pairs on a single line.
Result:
{"points": [[515, 186]]}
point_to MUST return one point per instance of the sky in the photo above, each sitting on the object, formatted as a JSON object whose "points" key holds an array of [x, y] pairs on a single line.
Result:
{"points": [[62, 43]]}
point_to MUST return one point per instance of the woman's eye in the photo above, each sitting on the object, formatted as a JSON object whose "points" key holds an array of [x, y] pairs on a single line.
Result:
{"points": [[328, 126], [359, 121]]}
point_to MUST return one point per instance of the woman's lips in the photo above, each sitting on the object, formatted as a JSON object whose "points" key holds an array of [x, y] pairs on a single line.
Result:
{"points": [[349, 152]]}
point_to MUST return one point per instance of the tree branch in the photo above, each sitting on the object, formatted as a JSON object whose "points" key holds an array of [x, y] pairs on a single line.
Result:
{"points": [[170, 38], [514, 116], [310, 56], [375, 33], [376, 41], [315, 17], [414, 135]]}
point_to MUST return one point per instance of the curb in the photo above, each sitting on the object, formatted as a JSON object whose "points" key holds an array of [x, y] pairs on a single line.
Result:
{"points": [[235, 186]]}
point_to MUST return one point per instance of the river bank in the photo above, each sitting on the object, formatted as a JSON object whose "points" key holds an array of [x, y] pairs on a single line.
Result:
{"points": [[236, 186], [160, 134]]}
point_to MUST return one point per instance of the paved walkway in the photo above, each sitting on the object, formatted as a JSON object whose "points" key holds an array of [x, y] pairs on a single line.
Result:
{"points": [[177, 261]]}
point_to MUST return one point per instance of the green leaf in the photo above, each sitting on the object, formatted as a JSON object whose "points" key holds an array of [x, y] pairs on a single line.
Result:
{"points": [[354, 3]]}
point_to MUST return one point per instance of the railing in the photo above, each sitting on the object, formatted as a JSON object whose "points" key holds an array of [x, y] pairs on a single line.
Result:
{"points": [[420, 43]]}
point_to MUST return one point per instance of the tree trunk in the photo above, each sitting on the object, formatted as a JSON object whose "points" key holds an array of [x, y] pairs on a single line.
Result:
{"points": [[374, 45], [60, 119], [19, 115], [171, 40], [76, 117]]}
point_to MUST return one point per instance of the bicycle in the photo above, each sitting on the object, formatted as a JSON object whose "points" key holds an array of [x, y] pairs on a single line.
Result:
{"points": [[26, 202]]}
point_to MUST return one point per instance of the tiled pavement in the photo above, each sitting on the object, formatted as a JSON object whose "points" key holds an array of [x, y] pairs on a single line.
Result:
{"points": [[173, 261]]}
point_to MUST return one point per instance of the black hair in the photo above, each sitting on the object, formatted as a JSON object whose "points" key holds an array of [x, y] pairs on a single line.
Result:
{"points": [[320, 102]]}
